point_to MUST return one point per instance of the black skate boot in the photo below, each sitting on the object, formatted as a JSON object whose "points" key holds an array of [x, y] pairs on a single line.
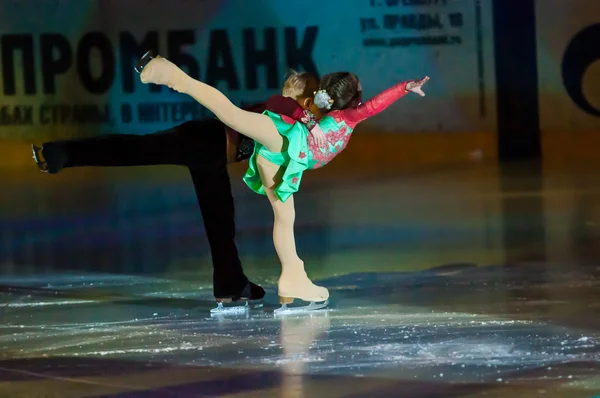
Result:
{"points": [[42, 165], [252, 296], [54, 158]]}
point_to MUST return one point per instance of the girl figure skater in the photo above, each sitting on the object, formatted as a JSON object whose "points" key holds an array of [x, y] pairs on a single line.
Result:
{"points": [[284, 149]]}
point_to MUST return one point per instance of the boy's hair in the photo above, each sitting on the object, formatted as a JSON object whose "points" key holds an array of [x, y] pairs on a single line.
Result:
{"points": [[298, 85]]}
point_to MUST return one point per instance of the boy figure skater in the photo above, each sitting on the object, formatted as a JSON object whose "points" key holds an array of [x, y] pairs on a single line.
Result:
{"points": [[205, 147]]}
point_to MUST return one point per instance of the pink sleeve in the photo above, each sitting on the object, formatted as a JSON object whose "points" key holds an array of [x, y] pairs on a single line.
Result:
{"points": [[375, 105]]}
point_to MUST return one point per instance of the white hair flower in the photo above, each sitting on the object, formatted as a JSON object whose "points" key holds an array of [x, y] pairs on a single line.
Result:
{"points": [[323, 100]]}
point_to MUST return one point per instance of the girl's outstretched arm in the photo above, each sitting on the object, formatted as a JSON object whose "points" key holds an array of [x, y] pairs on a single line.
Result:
{"points": [[382, 100]]}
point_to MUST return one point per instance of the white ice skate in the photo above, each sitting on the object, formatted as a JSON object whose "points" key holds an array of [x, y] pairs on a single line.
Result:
{"points": [[284, 309], [143, 61], [291, 289]]}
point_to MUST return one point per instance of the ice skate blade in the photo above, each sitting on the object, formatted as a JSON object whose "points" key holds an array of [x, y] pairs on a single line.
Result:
{"points": [[43, 166], [235, 309], [284, 310], [145, 60]]}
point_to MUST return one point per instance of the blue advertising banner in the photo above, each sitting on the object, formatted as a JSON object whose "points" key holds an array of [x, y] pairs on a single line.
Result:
{"points": [[67, 66]]}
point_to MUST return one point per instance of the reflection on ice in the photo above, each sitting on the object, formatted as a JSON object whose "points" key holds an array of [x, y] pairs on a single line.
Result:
{"points": [[170, 322]]}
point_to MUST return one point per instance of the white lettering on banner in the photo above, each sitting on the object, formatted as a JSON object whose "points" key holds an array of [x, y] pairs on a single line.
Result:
{"points": [[440, 21], [82, 75]]}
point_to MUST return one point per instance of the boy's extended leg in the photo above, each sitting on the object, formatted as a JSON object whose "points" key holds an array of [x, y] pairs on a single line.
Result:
{"points": [[179, 145]]}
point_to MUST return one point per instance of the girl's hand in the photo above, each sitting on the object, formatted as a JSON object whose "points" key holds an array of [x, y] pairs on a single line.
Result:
{"points": [[318, 135], [415, 86]]}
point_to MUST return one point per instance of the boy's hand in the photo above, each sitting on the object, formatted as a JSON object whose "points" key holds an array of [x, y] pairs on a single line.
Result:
{"points": [[415, 86]]}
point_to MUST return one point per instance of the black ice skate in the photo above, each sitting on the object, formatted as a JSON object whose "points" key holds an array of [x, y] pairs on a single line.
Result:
{"points": [[42, 165], [54, 157], [251, 296]]}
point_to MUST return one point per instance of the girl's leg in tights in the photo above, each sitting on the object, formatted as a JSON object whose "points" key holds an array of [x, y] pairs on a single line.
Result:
{"points": [[294, 282], [254, 125]]}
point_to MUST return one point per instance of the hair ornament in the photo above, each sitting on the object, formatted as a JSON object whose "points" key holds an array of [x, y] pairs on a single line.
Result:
{"points": [[322, 100]]}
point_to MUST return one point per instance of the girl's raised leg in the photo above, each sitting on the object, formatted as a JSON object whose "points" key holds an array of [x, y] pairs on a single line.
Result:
{"points": [[254, 125]]}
